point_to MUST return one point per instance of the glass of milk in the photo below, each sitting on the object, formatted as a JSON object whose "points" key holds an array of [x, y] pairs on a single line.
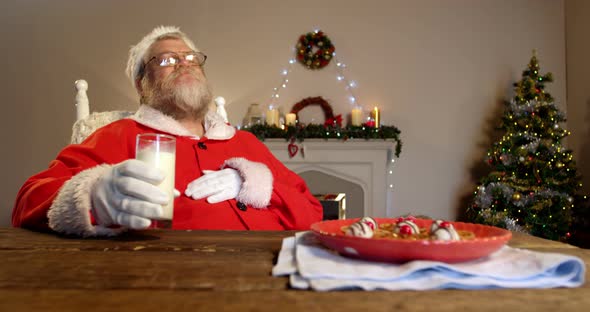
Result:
{"points": [[159, 150]]}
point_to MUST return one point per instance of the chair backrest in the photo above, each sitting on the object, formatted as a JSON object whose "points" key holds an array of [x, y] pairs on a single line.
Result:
{"points": [[84, 127], [87, 122]]}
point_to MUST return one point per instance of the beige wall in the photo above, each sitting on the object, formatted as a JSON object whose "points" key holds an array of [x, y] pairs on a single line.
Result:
{"points": [[578, 83], [438, 69]]}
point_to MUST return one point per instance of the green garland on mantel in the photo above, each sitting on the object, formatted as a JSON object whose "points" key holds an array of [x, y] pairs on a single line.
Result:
{"points": [[315, 131]]}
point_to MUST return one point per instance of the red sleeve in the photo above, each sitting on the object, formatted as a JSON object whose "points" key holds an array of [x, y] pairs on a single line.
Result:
{"points": [[38, 193], [291, 199]]}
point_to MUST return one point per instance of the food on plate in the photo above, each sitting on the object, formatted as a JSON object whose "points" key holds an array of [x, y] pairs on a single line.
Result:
{"points": [[406, 228], [370, 222], [443, 230], [359, 229], [365, 227]]}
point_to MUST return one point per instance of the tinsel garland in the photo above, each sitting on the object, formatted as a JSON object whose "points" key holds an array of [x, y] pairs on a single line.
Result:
{"points": [[487, 194], [315, 131]]}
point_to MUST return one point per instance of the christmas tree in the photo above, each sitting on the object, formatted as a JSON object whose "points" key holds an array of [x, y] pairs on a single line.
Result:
{"points": [[533, 178]]}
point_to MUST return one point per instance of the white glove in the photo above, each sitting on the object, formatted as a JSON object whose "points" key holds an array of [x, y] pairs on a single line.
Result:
{"points": [[128, 195], [217, 186]]}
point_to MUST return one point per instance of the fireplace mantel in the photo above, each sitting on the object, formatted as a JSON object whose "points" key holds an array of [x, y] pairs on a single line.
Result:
{"points": [[367, 163]]}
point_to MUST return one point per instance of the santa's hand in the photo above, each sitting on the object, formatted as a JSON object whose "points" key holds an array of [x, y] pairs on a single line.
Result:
{"points": [[128, 195], [216, 186]]}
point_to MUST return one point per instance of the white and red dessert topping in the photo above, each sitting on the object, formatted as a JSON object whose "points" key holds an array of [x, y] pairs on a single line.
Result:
{"points": [[370, 222], [365, 227], [406, 226], [359, 230], [443, 230]]}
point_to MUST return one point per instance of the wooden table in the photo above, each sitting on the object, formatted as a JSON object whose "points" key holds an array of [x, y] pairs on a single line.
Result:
{"points": [[159, 270]]}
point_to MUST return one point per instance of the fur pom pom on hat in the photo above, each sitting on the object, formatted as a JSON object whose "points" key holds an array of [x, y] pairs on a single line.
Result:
{"points": [[138, 51]]}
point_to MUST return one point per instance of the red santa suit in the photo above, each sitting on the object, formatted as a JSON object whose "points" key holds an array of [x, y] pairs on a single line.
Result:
{"points": [[271, 198]]}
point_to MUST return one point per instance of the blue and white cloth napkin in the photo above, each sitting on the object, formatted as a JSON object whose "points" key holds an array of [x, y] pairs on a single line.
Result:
{"points": [[311, 265]]}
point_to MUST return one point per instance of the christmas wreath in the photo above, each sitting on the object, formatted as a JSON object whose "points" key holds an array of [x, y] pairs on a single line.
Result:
{"points": [[307, 53], [318, 100]]}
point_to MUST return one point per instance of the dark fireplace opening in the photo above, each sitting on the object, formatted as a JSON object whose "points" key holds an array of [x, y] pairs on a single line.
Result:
{"points": [[322, 185], [334, 205]]}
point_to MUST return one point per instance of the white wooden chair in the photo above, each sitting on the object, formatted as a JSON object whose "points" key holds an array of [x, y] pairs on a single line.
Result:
{"points": [[87, 122]]}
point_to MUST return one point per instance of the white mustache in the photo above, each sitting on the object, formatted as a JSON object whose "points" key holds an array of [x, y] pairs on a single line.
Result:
{"points": [[183, 70]]}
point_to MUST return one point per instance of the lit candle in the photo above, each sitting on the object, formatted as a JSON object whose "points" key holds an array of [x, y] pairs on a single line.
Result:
{"points": [[272, 117], [276, 117], [356, 117], [290, 119], [376, 115]]}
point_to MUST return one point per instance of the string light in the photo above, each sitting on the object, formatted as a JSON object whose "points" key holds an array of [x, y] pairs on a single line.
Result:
{"points": [[349, 85]]}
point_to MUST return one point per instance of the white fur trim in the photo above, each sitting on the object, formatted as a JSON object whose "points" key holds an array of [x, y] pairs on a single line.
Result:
{"points": [[257, 186], [70, 211], [138, 51], [215, 127], [153, 118]]}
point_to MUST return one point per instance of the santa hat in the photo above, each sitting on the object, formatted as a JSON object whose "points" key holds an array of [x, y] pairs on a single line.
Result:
{"points": [[138, 51]]}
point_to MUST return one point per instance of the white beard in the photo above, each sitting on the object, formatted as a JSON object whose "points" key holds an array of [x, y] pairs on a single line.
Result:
{"points": [[179, 101]]}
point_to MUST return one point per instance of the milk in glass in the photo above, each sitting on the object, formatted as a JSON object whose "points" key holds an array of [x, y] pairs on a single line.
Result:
{"points": [[159, 151]]}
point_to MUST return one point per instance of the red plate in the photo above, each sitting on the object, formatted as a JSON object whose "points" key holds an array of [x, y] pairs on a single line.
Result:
{"points": [[487, 240]]}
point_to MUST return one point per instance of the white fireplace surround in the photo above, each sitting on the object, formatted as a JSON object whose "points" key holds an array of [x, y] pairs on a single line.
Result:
{"points": [[368, 164]]}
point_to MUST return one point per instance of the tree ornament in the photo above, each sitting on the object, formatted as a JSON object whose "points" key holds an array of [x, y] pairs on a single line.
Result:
{"points": [[315, 50], [516, 196]]}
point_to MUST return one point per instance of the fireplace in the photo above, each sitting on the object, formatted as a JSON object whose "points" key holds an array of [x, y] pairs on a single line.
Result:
{"points": [[367, 165]]}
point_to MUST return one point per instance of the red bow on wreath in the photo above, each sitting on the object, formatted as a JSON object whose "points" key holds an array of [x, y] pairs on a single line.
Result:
{"points": [[336, 120]]}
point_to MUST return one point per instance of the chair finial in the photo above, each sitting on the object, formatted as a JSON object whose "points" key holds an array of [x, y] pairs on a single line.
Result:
{"points": [[81, 85], [82, 109], [220, 102]]}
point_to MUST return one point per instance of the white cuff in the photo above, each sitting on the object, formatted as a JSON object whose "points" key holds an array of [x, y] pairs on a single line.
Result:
{"points": [[70, 211], [257, 186]]}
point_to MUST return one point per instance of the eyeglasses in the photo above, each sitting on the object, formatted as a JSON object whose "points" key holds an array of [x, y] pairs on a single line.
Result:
{"points": [[172, 59]]}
